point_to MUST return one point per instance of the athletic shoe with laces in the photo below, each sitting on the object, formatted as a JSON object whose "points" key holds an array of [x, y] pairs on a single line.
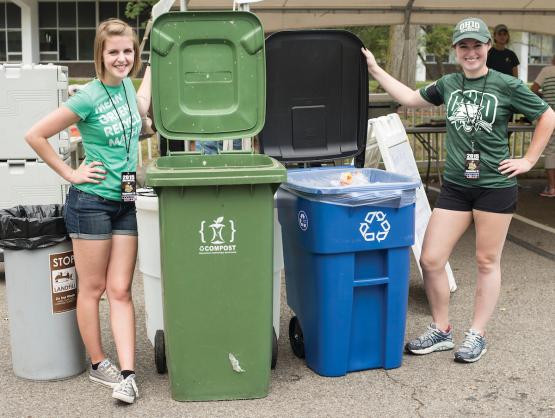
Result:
{"points": [[106, 374], [472, 348], [126, 390], [432, 340]]}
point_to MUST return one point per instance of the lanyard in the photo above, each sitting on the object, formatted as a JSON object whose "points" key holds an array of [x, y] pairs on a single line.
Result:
{"points": [[127, 141], [475, 118]]}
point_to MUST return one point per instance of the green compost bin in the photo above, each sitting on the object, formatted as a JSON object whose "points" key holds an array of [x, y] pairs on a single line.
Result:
{"points": [[216, 236], [216, 211]]}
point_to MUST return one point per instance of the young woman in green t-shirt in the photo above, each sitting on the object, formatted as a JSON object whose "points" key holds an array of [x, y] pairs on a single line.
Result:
{"points": [[479, 179], [100, 211]]}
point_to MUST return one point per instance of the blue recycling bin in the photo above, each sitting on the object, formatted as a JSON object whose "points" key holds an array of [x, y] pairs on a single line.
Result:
{"points": [[346, 254]]}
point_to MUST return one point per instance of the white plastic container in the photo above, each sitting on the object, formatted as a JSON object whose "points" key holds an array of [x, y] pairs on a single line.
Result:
{"points": [[149, 260], [27, 182], [27, 94], [278, 267]]}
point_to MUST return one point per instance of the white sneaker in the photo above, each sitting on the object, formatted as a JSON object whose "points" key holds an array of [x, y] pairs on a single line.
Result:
{"points": [[126, 390]]}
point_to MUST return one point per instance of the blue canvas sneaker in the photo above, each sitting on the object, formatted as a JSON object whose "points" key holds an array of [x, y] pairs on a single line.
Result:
{"points": [[432, 340], [472, 348]]}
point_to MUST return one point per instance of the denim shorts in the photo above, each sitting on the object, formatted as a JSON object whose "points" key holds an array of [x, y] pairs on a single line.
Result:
{"points": [[88, 216]]}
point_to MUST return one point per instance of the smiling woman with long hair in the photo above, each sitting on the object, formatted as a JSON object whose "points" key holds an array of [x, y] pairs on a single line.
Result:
{"points": [[100, 213]]}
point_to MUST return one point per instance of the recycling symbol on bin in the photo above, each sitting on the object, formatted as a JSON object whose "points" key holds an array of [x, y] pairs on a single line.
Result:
{"points": [[375, 227]]}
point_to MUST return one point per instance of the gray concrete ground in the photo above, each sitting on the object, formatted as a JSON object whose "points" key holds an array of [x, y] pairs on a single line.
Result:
{"points": [[515, 378]]}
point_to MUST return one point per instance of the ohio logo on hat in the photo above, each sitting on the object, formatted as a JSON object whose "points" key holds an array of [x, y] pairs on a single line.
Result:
{"points": [[472, 28]]}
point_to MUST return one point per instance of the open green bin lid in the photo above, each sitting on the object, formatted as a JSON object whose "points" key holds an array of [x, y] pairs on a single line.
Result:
{"points": [[215, 170], [208, 75]]}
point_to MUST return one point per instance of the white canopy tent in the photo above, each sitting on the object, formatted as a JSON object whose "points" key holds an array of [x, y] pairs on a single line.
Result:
{"points": [[519, 15]]}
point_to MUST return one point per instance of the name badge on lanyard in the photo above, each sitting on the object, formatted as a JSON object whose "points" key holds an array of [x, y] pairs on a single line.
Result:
{"points": [[472, 165], [128, 186]]}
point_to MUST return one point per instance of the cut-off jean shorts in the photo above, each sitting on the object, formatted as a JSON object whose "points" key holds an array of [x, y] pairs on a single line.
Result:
{"points": [[88, 216]]}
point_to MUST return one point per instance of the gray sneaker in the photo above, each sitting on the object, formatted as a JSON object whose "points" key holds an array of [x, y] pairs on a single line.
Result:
{"points": [[126, 390], [432, 340], [472, 348], [106, 374]]}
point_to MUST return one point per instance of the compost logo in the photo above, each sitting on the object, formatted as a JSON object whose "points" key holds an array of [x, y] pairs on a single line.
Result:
{"points": [[375, 226], [217, 237], [303, 220]]}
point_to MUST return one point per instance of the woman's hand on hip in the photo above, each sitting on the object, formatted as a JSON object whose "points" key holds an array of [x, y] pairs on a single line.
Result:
{"points": [[515, 166], [88, 173]]}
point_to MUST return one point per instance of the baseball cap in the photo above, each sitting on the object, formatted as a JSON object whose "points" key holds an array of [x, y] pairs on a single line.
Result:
{"points": [[473, 28], [501, 27]]}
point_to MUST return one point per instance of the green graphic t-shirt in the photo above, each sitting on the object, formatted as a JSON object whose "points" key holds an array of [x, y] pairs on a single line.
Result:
{"points": [[481, 115], [103, 134]]}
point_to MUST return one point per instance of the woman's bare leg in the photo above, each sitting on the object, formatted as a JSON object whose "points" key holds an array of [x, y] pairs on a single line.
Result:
{"points": [[118, 288], [91, 260], [444, 230]]}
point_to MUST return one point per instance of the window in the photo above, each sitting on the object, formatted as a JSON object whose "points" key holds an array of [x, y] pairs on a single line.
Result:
{"points": [[13, 13], [10, 32], [2, 46], [67, 28], [86, 12], [106, 10], [48, 40], [67, 15], [68, 45], [47, 15], [2, 16], [542, 48], [86, 44]]}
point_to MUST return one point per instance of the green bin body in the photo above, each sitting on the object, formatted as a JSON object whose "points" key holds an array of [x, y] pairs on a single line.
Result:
{"points": [[216, 235]]}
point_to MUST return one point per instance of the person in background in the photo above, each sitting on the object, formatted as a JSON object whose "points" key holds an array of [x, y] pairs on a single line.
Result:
{"points": [[500, 57], [479, 184], [546, 82], [215, 147], [100, 212]]}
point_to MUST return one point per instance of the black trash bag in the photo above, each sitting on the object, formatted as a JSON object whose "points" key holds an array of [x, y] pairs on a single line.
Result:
{"points": [[33, 226]]}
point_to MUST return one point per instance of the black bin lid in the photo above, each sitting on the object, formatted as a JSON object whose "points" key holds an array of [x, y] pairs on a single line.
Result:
{"points": [[316, 96]]}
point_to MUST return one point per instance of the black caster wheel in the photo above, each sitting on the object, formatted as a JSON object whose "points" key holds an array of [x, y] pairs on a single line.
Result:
{"points": [[160, 352], [296, 337], [274, 349]]}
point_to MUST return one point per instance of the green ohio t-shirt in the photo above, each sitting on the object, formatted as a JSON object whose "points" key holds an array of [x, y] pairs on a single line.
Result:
{"points": [[102, 132], [482, 115]]}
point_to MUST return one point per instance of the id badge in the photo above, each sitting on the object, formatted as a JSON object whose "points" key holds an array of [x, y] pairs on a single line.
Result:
{"points": [[472, 165], [128, 186]]}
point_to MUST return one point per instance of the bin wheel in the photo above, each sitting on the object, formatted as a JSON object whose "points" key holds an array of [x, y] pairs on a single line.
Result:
{"points": [[160, 352], [274, 349], [296, 337]]}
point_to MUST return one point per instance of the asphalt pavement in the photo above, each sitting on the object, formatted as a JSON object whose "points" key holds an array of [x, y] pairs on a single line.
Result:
{"points": [[516, 378]]}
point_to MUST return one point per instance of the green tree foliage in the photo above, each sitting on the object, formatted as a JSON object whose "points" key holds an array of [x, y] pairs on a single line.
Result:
{"points": [[375, 38], [136, 7], [437, 41]]}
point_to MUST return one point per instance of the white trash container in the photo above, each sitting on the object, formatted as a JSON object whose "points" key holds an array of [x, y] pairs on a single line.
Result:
{"points": [[149, 260], [278, 267]]}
